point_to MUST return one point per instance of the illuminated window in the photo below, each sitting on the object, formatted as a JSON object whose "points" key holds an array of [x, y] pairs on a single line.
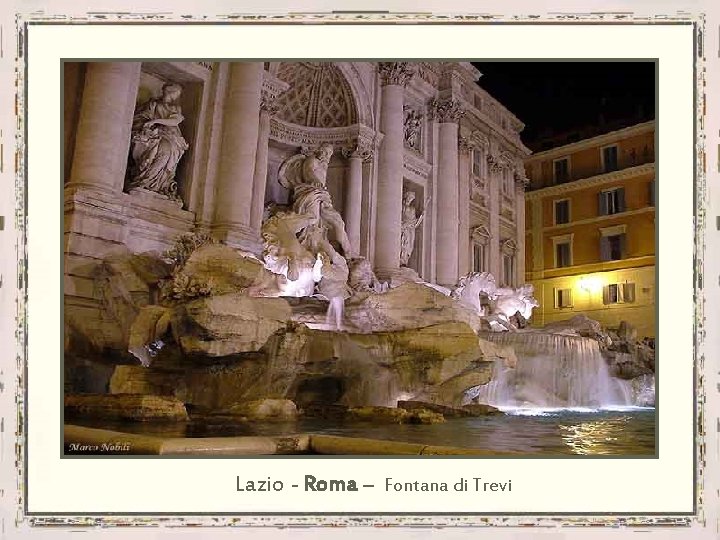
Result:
{"points": [[619, 293]]}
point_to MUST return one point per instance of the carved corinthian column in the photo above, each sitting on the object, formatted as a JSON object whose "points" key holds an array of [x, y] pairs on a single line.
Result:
{"points": [[520, 183], [447, 113], [271, 89], [464, 206], [238, 155], [353, 194], [103, 131], [394, 76]]}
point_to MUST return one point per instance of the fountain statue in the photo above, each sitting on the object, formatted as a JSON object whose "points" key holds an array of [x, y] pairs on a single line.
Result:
{"points": [[511, 301], [410, 222], [305, 175], [157, 144], [298, 242], [471, 286]]}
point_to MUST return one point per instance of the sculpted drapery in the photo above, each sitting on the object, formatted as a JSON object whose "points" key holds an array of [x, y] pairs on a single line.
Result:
{"points": [[157, 143]]}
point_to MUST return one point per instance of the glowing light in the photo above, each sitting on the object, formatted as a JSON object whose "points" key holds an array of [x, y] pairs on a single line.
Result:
{"points": [[590, 284]]}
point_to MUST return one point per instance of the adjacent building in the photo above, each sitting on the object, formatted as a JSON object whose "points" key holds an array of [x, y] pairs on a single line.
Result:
{"points": [[590, 239]]}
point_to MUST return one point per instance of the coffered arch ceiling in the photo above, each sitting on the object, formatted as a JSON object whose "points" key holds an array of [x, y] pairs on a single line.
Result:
{"points": [[319, 95]]}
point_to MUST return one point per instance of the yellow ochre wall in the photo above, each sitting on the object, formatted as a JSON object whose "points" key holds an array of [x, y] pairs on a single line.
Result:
{"points": [[588, 273]]}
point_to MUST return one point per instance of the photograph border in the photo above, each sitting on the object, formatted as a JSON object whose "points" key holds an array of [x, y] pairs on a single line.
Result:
{"points": [[405, 519]]}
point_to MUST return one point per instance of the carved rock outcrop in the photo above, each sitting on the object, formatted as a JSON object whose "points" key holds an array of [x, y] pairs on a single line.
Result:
{"points": [[411, 305], [229, 324], [313, 368], [134, 407]]}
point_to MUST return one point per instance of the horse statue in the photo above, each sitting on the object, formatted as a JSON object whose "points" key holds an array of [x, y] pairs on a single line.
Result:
{"points": [[510, 301], [471, 286]]}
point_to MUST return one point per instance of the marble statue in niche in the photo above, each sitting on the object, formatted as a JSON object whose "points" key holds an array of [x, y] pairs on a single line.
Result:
{"points": [[157, 143], [412, 127], [410, 221]]}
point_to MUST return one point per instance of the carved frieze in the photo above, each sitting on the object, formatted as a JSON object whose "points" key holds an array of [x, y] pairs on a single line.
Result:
{"points": [[446, 110], [397, 73], [350, 136]]}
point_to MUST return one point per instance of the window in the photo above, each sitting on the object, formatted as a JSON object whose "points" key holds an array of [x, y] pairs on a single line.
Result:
{"points": [[480, 238], [479, 257], [507, 181], [619, 293], [562, 255], [509, 270], [612, 247], [508, 248], [610, 158], [561, 170], [562, 211], [611, 201], [563, 298], [651, 193], [477, 162]]}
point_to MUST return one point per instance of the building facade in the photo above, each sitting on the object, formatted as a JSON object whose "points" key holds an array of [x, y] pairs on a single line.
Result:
{"points": [[395, 128], [590, 244]]}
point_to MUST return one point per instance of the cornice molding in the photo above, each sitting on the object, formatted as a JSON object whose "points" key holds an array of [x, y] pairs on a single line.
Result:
{"points": [[596, 180], [599, 140]]}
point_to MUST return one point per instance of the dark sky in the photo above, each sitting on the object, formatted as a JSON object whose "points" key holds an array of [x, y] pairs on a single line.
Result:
{"points": [[556, 99]]}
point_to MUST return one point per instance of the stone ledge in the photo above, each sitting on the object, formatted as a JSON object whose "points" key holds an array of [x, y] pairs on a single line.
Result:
{"points": [[94, 439]]}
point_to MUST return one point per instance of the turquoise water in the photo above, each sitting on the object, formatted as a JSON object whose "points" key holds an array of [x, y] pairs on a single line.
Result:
{"points": [[626, 431]]}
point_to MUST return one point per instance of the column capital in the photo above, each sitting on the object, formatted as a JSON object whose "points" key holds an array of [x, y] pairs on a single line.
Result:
{"points": [[465, 145], [395, 73], [447, 110], [269, 104], [272, 88], [361, 151], [521, 181]]}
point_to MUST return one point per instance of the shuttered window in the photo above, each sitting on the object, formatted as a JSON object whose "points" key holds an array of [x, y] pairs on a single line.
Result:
{"points": [[563, 298], [562, 255], [561, 170], [619, 293], [610, 158], [611, 201], [612, 247], [562, 212]]}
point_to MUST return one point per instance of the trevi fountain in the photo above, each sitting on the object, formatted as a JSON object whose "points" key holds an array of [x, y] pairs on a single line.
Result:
{"points": [[300, 347]]}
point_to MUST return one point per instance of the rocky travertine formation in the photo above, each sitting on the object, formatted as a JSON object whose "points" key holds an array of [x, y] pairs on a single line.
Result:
{"points": [[229, 324], [390, 415], [266, 409], [135, 407], [411, 305], [435, 364], [473, 409]]}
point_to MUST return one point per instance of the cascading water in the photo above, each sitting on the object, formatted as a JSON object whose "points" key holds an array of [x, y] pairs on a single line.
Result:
{"points": [[552, 371]]}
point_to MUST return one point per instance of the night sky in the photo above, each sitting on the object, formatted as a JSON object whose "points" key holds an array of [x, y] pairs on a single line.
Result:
{"points": [[561, 102]]}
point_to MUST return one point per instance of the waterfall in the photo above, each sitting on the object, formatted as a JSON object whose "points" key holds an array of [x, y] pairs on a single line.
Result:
{"points": [[553, 370], [335, 313]]}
